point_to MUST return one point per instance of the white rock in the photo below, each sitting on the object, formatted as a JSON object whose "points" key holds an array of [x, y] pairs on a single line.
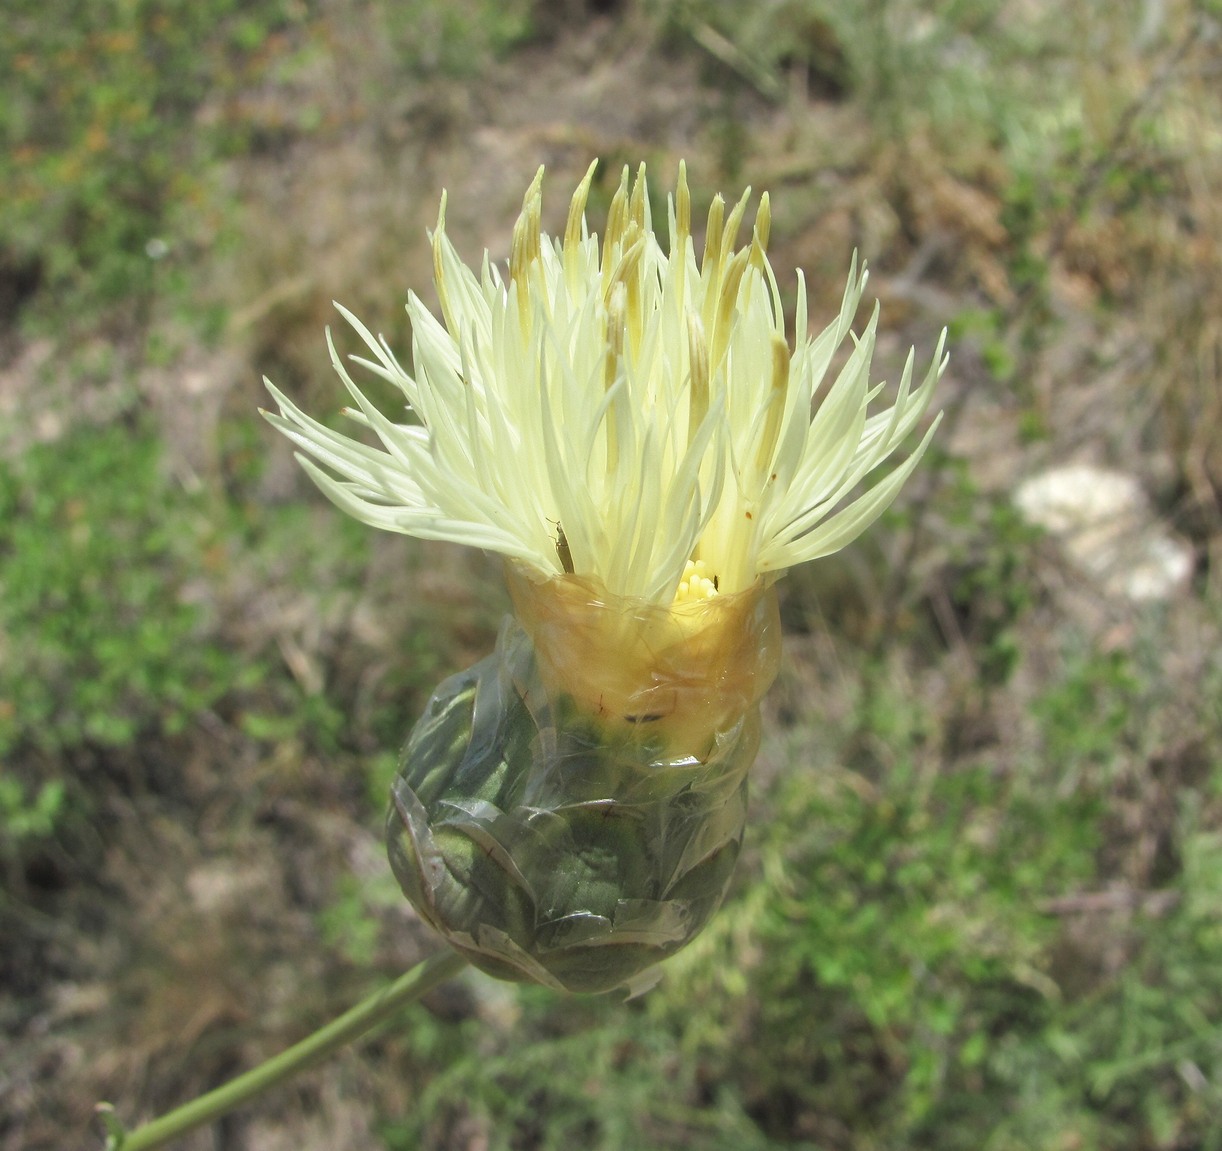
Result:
{"points": [[1107, 528]]}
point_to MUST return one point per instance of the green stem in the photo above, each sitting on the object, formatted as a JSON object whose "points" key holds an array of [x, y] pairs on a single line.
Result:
{"points": [[379, 1006]]}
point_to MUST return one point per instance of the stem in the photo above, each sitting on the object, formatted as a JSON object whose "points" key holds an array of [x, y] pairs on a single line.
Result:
{"points": [[379, 1006]]}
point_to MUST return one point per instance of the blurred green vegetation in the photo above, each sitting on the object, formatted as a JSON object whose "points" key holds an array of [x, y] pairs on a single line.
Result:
{"points": [[101, 140], [980, 905], [100, 640]]}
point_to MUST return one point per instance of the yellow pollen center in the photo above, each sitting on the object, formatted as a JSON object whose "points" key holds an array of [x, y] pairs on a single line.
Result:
{"points": [[697, 583]]}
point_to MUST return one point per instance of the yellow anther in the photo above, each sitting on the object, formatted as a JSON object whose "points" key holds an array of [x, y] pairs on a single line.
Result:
{"points": [[683, 208], [617, 216], [776, 407], [524, 250], [733, 223], [698, 583], [573, 228], [726, 301], [616, 322], [711, 262], [698, 367], [763, 222], [638, 206], [763, 229], [439, 276]]}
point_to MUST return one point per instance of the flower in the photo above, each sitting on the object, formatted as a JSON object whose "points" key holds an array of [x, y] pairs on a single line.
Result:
{"points": [[631, 429], [620, 412]]}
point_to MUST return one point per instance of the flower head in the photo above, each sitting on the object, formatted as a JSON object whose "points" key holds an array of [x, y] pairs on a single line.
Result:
{"points": [[619, 411], [629, 426]]}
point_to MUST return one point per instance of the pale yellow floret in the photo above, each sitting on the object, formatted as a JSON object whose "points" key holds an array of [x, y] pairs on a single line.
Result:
{"points": [[646, 399]]}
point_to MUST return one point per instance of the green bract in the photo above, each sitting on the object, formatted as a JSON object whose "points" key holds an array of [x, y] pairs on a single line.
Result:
{"points": [[544, 851]]}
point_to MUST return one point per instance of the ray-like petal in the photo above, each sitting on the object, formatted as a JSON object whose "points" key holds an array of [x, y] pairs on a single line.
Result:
{"points": [[637, 404]]}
